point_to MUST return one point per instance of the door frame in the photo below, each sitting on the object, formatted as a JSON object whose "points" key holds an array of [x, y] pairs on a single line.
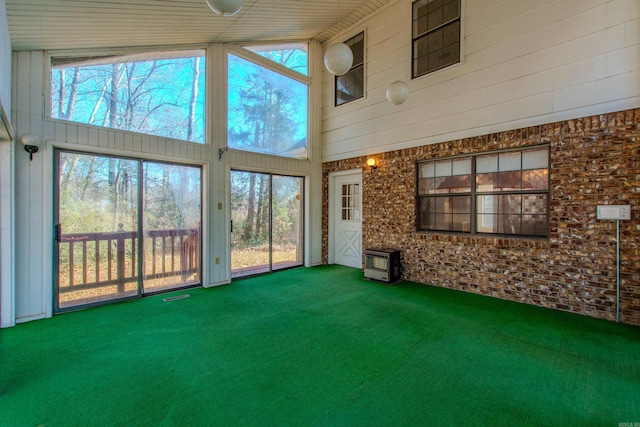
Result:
{"points": [[53, 171], [7, 222], [303, 222], [333, 209]]}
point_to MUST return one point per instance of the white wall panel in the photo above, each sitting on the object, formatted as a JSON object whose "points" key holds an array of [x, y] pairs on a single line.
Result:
{"points": [[28, 109], [621, 11], [482, 16], [525, 63], [7, 233], [632, 32], [5, 61], [518, 21], [623, 60], [611, 39], [7, 193]]}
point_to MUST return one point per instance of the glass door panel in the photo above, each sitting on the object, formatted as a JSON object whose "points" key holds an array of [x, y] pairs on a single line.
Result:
{"points": [[98, 219], [287, 223], [251, 223], [171, 218], [266, 218], [96, 229]]}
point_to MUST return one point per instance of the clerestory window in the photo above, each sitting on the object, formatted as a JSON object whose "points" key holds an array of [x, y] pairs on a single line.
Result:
{"points": [[154, 93], [267, 109], [294, 56]]}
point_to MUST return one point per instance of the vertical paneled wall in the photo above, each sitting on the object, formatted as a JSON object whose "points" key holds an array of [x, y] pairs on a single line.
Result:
{"points": [[34, 187], [30, 202], [5, 60], [7, 317], [523, 63]]}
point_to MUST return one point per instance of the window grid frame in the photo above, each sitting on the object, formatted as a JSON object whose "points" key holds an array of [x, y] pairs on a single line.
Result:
{"points": [[474, 193], [354, 67], [415, 38], [271, 66], [350, 207], [74, 55]]}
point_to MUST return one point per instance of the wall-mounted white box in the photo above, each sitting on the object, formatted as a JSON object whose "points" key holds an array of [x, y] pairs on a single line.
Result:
{"points": [[619, 212]]}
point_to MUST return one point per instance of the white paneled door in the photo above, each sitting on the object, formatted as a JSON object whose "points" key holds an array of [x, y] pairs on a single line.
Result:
{"points": [[346, 224]]}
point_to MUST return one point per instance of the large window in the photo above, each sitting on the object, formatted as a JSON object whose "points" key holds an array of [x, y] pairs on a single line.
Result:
{"points": [[294, 56], [496, 193], [157, 93], [350, 86], [436, 35], [267, 110]]}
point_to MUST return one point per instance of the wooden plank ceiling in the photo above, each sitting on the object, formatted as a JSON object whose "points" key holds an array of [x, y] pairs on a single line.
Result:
{"points": [[69, 24]]}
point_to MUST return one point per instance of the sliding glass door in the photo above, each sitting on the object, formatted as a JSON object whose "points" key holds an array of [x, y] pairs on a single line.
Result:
{"points": [[287, 208], [171, 226], [103, 205], [96, 229], [266, 215]]}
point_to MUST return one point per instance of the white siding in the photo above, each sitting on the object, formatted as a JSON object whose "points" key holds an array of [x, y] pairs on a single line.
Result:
{"points": [[34, 191], [7, 234], [524, 63], [5, 61], [7, 277]]}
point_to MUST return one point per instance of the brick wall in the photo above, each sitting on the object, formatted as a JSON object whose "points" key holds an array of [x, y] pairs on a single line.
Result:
{"points": [[594, 160]]}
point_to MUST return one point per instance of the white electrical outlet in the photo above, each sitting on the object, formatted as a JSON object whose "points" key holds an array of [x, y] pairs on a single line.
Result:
{"points": [[618, 212]]}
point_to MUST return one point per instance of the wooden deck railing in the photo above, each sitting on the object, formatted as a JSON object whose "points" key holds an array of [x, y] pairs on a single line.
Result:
{"points": [[96, 260]]}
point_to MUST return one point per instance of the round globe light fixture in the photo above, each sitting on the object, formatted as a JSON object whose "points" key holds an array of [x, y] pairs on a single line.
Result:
{"points": [[31, 142], [225, 7], [397, 92], [338, 59]]}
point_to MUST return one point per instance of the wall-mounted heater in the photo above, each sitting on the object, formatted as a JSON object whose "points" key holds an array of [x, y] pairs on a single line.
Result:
{"points": [[382, 264]]}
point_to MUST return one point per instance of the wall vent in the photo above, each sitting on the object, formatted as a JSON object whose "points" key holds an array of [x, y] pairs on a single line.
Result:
{"points": [[177, 297]]}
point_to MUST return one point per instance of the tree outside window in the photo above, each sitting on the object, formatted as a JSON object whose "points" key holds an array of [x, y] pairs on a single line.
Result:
{"points": [[156, 93]]}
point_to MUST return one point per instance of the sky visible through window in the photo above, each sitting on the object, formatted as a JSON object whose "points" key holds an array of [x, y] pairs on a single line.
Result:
{"points": [[160, 94], [267, 111], [163, 94], [294, 56]]}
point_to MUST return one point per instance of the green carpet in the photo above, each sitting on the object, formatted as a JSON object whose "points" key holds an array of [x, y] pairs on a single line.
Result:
{"points": [[323, 347]]}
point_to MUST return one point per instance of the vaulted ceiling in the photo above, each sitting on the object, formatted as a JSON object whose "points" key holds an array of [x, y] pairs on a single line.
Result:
{"points": [[67, 24]]}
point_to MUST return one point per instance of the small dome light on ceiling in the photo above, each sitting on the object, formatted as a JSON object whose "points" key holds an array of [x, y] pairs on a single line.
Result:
{"points": [[338, 59], [397, 92], [225, 7]]}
